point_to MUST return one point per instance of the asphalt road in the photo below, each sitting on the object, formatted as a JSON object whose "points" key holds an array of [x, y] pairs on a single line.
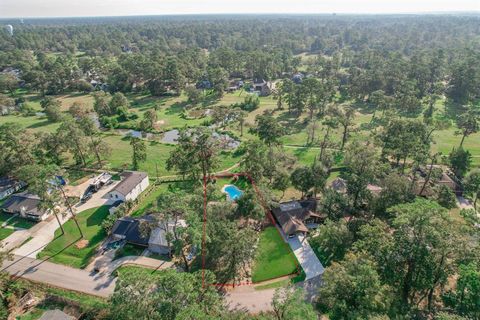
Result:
{"points": [[60, 276]]}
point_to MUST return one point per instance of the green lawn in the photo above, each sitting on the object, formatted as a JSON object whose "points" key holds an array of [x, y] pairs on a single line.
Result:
{"points": [[63, 248], [5, 233], [157, 154], [15, 221], [274, 258], [36, 123], [148, 202]]}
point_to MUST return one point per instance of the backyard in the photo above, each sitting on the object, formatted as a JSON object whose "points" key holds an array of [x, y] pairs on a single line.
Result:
{"points": [[69, 249], [274, 257]]}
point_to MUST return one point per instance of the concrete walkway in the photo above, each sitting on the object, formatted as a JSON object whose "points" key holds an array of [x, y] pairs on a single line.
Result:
{"points": [[306, 257], [41, 236]]}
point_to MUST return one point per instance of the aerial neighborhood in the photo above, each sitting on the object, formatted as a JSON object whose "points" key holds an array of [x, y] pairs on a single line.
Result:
{"points": [[289, 167]]}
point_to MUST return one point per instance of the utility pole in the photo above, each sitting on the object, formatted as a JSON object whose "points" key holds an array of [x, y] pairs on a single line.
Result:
{"points": [[71, 211]]}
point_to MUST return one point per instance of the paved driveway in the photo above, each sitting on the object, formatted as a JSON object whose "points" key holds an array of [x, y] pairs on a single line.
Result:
{"points": [[44, 232], [306, 257]]}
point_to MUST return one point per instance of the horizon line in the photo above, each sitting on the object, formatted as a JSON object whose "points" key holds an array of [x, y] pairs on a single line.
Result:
{"points": [[433, 12]]}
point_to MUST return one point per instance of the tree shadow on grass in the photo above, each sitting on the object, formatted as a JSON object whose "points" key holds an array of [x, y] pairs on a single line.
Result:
{"points": [[39, 124], [97, 216]]}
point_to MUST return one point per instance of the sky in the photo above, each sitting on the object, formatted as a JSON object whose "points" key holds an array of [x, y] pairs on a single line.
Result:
{"points": [[79, 8]]}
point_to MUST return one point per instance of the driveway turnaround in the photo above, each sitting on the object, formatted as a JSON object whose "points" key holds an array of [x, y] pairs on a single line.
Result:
{"points": [[306, 257], [246, 298]]}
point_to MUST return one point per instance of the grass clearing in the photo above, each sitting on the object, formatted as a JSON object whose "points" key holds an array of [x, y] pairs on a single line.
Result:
{"points": [[149, 202], [4, 233], [157, 155], [63, 248], [274, 258]]}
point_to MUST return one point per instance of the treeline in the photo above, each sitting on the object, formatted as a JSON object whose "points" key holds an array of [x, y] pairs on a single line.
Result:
{"points": [[325, 34]]}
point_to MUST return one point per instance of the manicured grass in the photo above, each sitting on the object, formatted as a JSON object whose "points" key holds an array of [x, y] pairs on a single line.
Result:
{"points": [[15, 221], [35, 123], [4, 232], [274, 258], [157, 154], [63, 248], [149, 201]]}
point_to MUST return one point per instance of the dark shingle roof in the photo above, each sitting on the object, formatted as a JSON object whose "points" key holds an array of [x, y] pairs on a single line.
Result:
{"points": [[7, 183], [25, 202], [130, 229], [130, 179]]}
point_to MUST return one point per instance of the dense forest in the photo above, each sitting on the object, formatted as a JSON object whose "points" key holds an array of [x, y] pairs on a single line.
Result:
{"points": [[367, 115]]}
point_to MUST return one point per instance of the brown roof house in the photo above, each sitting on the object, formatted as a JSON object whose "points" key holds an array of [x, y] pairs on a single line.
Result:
{"points": [[133, 183], [438, 177], [264, 88], [340, 185], [295, 216]]}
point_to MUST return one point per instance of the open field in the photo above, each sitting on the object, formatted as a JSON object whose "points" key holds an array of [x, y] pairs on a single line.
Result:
{"points": [[170, 115], [157, 154], [274, 258], [64, 250]]}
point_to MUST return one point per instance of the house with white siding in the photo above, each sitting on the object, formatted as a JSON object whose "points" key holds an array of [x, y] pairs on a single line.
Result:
{"points": [[132, 184]]}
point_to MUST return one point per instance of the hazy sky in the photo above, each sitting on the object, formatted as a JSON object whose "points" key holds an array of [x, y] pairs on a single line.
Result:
{"points": [[70, 8]]}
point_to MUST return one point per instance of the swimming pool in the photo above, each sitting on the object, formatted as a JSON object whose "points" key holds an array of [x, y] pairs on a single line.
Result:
{"points": [[233, 193]]}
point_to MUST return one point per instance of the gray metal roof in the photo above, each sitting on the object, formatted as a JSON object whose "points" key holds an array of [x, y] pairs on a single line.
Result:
{"points": [[130, 179], [56, 315], [23, 202]]}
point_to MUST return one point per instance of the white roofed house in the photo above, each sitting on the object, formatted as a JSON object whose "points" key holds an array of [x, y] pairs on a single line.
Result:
{"points": [[132, 184]]}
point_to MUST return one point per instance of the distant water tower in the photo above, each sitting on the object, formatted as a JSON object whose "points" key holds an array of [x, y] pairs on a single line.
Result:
{"points": [[9, 29]]}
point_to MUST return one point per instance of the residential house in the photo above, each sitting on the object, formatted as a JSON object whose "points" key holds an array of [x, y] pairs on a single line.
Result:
{"points": [[340, 185], [439, 177], [145, 232], [298, 78], [132, 184], [9, 186], [204, 84], [294, 217], [114, 207], [264, 88], [26, 205], [56, 315]]}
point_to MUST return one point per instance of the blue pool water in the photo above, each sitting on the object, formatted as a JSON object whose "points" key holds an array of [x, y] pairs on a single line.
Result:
{"points": [[233, 192]]}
